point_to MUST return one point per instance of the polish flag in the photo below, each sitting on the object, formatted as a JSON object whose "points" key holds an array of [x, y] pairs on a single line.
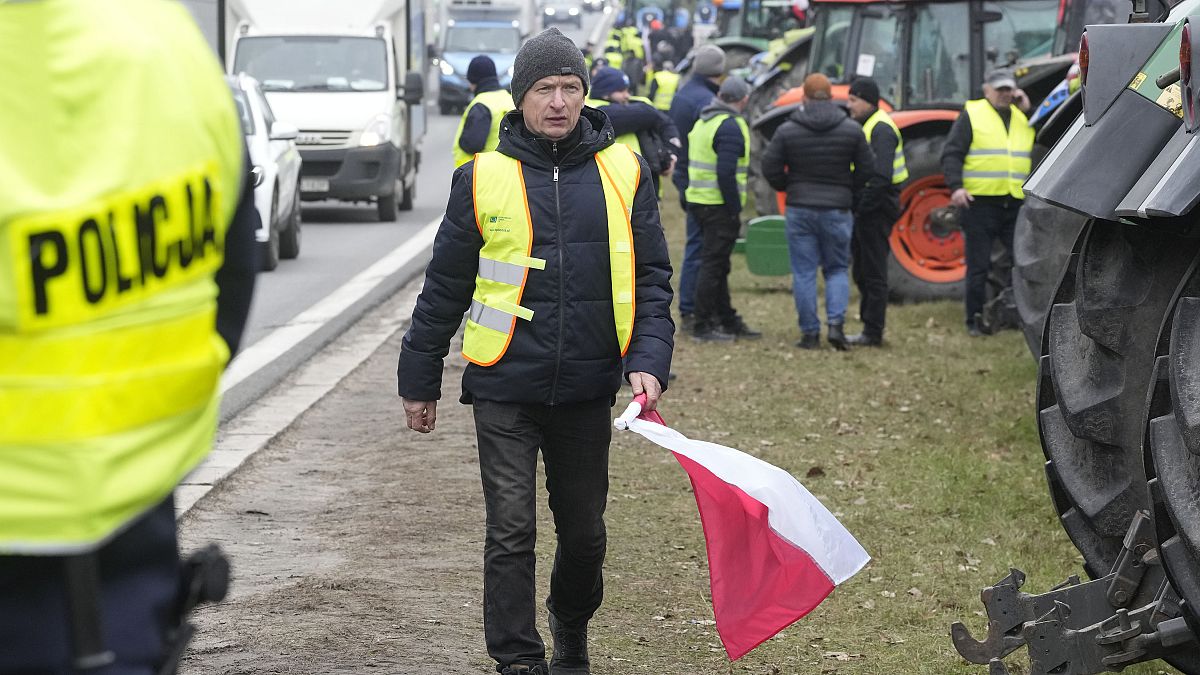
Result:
{"points": [[774, 551]]}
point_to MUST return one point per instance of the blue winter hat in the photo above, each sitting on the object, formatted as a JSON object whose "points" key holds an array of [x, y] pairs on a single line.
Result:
{"points": [[481, 68], [607, 80]]}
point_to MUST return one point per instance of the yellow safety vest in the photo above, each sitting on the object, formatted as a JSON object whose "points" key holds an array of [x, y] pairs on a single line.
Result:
{"points": [[702, 161], [109, 356], [628, 139], [498, 102], [631, 42], [997, 162], [899, 168], [502, 216], [612, 52], [668, 82]]}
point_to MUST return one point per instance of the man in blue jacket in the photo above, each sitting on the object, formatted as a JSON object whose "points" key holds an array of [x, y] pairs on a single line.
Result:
{"points": [[636, 122], [708, 68], [531, 245]]}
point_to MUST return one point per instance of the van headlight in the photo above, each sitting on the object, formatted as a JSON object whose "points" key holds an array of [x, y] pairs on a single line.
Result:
{"points": [[574, 11], [447, 69], [378, 131]]}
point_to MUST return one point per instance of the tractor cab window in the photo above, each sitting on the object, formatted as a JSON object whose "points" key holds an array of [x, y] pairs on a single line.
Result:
{"points": [[1081, 13], [727, 18], [769, 19], [879, 50], [830, 42], [1025, 30], [940, 64]]}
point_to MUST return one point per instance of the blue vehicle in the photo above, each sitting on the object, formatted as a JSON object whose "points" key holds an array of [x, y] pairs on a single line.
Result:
{"points": [[463, 41]]}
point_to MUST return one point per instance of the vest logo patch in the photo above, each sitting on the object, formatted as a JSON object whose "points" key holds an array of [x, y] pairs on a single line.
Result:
{"points": [[498, 224]]}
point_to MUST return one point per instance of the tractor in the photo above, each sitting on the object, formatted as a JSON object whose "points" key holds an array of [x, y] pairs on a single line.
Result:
{"points": [[748, 27]]}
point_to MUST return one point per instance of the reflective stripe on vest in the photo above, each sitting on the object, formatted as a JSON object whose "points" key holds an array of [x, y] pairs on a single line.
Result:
{"points": [[899, 168], [110, 357], [997, 162], [498, 102], [502, 216], [629, 139], [702, 161], [668, 82]]}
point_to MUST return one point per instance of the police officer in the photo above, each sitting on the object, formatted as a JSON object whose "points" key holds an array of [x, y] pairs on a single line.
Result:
{"points": [[877, 209], [479, 129], [986, 161], [128, 273]]}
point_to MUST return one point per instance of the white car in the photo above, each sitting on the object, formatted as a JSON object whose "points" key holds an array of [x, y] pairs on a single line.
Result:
{"points": [[276, 172]]}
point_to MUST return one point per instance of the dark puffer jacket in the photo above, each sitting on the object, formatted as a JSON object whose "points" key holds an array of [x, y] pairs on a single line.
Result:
{"points": [[568, 352], [816, 146]]}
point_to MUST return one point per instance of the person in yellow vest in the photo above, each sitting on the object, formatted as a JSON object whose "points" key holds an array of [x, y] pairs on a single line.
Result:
{"points": [[552, 246], [479, 129], [636, 122], [663, 84], [876, 210], [718, 162], [128, 271], [986, 160]]}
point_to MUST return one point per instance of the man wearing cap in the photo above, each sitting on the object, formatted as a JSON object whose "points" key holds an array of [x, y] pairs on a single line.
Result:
{"points": [[821, 158], [708, 69], [719, 159], [479, 129], [986, 160], [636, 122], [553, 248], [877, 209]]}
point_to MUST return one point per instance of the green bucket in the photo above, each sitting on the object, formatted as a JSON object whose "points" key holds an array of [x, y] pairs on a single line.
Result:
{"points": [[766, 247]]}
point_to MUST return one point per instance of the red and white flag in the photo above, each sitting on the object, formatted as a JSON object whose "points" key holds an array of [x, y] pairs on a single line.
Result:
{"points": [[774, 551]]}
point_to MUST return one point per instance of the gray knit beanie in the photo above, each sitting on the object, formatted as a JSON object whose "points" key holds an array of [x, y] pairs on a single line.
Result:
{"points": [[543, 55], [709, 61]]}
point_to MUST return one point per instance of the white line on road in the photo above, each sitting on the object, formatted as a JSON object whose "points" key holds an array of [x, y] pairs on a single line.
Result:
{"points": [[279, 341]]}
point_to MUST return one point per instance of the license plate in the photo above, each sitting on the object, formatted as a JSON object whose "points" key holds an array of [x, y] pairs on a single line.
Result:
{"points": [[314, 185]]}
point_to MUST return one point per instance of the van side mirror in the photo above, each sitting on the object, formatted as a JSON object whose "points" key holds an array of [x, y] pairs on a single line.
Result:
{"points": [[282, 131], [414, 88], [431, 51]]}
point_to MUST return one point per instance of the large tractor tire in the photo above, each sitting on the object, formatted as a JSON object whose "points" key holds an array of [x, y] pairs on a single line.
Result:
{"points": [[1094, 377], [765, 201], [927, 260], [1042, 244]]}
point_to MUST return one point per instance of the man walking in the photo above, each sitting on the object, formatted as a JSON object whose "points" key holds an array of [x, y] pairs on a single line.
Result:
{"points": [[986, 161], [878, 207], [553, 245], [810, 156], [479, 129], [708, 67], [636, 122], [718, 160]]}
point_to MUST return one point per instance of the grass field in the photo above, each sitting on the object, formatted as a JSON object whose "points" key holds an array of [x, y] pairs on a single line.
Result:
{"points": [[926, 449]]}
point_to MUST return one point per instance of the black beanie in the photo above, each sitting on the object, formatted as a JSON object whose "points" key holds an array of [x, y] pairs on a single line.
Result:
{"points": [[866, 89], [481, 68], [546, 54]]}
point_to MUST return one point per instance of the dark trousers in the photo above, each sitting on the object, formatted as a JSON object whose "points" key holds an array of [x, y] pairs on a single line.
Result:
{"points": [[689, 269], [719, 230], [869, 250], [574, 441], [989, 219], [139, 585]]}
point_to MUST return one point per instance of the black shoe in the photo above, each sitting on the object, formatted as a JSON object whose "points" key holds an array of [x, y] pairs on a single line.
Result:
{"points": [[973, 331], [864, 340], [687, 323], [526, 669], [570, 649], [837, 338], [809, 341], [713, 335], [740, 330]]}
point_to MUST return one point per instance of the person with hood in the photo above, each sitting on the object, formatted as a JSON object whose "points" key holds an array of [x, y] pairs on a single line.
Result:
{"points": [[708, 69], [821, 158], [552, 246], [479, 129], [636, 122], [718, 161]]}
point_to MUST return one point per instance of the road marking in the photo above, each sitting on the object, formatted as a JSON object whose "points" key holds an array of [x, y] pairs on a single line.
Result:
{"points": [[255, 357]]}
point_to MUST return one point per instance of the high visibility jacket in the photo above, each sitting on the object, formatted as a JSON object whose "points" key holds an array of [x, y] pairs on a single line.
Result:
{"points": [[110, 355], [631, 42], [899, 168], [502, 216], [668, 82], [498, 102], [612, 52], [702, 161], [997, 162], [629, 139]]}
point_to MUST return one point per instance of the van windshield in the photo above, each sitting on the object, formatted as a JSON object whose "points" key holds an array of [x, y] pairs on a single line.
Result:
{"points": [[314, 62], [483, 40]]}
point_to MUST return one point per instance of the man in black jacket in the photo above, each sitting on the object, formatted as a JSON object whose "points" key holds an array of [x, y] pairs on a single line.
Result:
{"points": [[557, 374], [810, 156], [636, 122]]}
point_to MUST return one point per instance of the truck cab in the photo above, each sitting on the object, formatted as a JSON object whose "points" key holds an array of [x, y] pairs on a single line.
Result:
{"points": [[463, 41]]}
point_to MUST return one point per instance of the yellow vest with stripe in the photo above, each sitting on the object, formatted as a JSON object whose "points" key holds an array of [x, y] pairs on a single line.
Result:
{"points": [[997, 162], [668, 82], [498, 102], [899, 168], [628, 139], [631, 42], [702, 161], [613, 53], [110, 357], [505, 262]]}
